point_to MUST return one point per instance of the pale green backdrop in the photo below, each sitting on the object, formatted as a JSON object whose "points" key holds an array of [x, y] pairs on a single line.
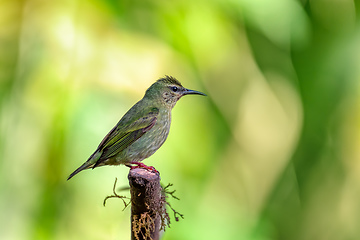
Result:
{"points": [[272, 152]]}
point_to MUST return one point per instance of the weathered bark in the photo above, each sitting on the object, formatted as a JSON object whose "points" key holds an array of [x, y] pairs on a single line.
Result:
{"points": [[146, 204]]}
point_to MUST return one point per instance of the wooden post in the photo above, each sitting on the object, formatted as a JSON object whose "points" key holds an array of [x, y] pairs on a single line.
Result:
{"points": [[146, 204]]}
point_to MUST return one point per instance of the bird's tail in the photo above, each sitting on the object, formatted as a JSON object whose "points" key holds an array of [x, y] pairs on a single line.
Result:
{"points": [[86, 165]]}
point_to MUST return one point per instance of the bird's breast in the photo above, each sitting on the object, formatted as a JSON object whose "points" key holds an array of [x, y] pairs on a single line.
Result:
{"points": [[151, 141]]}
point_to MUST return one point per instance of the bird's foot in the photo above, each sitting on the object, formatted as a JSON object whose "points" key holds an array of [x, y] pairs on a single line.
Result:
{"points": [[141, 165]]}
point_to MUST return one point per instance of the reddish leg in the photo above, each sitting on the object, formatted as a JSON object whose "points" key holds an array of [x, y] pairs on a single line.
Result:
{"points": [[141, 165]]}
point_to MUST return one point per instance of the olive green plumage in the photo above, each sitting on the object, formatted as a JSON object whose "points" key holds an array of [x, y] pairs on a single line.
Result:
{"points": [[142, 130]]}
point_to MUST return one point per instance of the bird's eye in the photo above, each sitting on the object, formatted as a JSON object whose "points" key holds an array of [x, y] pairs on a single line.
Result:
{"points": [[174, 89]]}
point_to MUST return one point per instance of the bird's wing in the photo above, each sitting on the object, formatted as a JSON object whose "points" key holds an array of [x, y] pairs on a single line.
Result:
{"points": [[123, 135]]}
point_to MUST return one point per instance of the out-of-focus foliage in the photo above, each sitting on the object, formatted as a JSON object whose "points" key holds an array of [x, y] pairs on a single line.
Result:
{"points": [[271, 153]]}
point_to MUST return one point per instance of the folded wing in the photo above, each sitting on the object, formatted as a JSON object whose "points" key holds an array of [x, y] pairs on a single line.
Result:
{"points": [[120, 137]]}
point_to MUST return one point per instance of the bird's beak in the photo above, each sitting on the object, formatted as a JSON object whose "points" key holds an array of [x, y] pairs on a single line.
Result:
{"points": [[188, 91]]}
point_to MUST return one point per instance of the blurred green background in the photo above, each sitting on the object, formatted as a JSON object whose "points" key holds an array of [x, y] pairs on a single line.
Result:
{"points": [[271, 153]]}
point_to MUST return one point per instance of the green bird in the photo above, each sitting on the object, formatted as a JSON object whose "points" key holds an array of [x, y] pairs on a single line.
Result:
{"points": [[142, 130]]}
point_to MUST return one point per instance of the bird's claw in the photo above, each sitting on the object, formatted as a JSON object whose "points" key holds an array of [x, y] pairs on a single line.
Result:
{"points": [[142, 165]]}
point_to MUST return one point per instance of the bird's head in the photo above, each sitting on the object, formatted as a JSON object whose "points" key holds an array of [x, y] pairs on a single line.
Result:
{"points": [[168, 90]]}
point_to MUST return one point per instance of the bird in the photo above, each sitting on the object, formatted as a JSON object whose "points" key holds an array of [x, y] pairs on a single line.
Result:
{"points": [[142, 130]]}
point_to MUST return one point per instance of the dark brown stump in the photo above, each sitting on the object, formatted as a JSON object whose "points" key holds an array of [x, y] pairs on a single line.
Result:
{"points": [[146, 204]]}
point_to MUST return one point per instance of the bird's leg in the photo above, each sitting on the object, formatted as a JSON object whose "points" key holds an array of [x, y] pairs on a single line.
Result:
{"points": [[141, 165]]}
